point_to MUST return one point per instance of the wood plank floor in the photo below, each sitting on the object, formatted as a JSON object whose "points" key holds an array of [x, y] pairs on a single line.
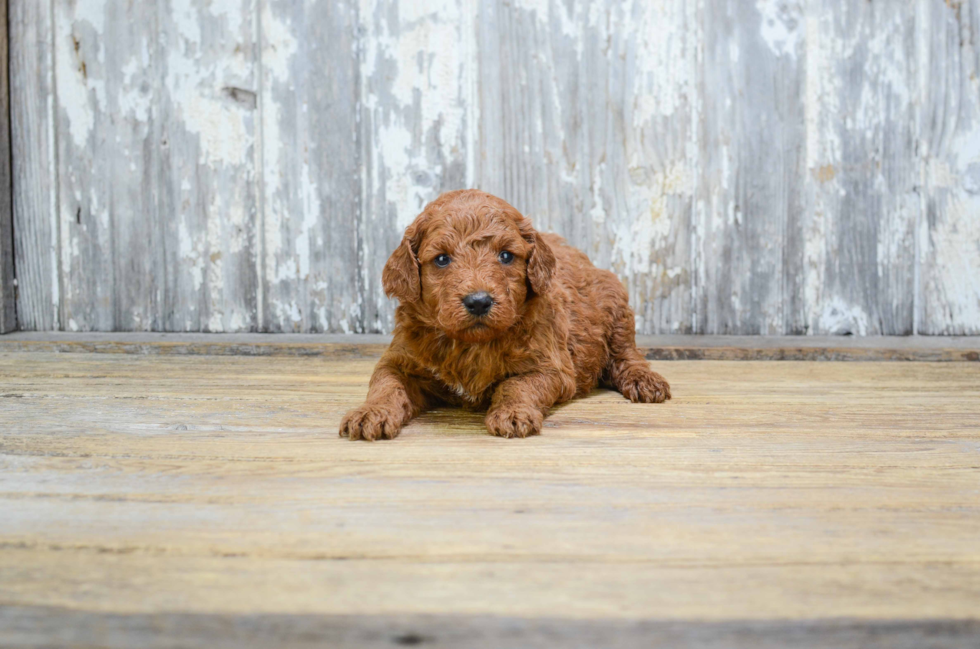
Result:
{"points": [[144, 498]]}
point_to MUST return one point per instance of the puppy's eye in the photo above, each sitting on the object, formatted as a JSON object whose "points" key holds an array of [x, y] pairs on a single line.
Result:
{"points": [[442, 261], [506, 257]]}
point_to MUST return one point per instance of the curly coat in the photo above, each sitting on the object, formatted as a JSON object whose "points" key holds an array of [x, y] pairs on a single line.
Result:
{"points": [[557, 325]]}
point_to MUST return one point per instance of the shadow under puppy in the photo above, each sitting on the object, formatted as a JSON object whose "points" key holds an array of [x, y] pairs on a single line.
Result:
{"points": [[495, 315]]}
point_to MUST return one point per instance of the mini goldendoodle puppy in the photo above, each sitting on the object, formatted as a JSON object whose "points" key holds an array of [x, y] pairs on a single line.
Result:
{"points": [[495, 315]]}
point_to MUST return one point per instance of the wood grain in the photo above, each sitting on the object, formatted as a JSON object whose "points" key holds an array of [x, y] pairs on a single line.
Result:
{"points": [[948, 38], [791, 494], [310, 167], [206, 135], [103, 81], [8, 296], [862, 167], [32, 122], [749, 256]]}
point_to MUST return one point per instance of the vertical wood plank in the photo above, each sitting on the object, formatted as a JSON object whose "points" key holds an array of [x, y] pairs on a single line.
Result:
{"points": [[311, 177], [750, 198], [103, 73], [588, 114], [123, 195], [651, 195], [207, 133], [155, 167], [85, 149], [862, 168], [948, 48], [8, 298], [32, 104], [418, 114]]}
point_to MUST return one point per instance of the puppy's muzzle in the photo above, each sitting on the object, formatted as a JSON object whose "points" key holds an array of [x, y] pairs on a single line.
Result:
{"points": [[479, 303]]}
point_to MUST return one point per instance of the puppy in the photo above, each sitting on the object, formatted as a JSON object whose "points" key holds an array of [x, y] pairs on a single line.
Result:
{"points": [[494, 315]]}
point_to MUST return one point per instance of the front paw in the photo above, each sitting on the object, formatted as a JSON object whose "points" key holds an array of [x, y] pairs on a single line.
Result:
{"points": [[514, 421], [370, 422], [643, 385]]}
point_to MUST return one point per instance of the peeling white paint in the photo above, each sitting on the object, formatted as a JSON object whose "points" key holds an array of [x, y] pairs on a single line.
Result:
{"points": [[556, 15], [662, 84], [781, 25], [838, 317], [649, 225], [80, 94], [278, 45], [135, 100], [955, 291], [951, 277], [823, 89], [428, 67], [598, 211], [608, 147], [195, 83], [889, 68], [190, 254], [400, 169], [215, 262], [311, 218], [278, 49], [823, 150]]}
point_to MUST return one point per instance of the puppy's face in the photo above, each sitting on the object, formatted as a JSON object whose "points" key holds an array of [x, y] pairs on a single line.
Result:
{"points": [[473, 271], [474, 259]]}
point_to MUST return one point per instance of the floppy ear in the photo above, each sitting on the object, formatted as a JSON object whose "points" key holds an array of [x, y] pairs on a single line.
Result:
{"points": [[541, 262], [400, 277]]}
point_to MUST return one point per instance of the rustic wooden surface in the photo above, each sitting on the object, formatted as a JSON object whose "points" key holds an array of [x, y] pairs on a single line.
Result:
{"points": [[864, 174], [47, 626], [210, 497], [36, 233], [311, 167], [948, 134], [665, 347], [749, 270], [745, 167], [8, 298]]}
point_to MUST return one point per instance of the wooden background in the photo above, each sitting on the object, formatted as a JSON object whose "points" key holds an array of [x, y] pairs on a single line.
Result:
{"points": [[773, 167]]}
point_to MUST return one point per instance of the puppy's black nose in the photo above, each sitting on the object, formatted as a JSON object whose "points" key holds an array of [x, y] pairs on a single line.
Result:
{"points": [[478, 303]]}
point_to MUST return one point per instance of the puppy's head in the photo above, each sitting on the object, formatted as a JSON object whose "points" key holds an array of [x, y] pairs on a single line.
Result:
{"points": [[468, 265]]}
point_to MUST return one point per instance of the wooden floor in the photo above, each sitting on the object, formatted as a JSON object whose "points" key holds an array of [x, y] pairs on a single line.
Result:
{"points": [[160, 501]]}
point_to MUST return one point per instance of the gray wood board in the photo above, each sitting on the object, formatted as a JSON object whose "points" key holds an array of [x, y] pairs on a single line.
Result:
{"points": [[948, 233], [310, 180], [37, 626], [745, 168], [155, 166], [37, 246], [8, 302], [750, 199], [861, 160]]}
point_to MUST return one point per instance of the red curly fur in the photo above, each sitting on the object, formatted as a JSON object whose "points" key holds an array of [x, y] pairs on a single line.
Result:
{"points": [[558, 324]]}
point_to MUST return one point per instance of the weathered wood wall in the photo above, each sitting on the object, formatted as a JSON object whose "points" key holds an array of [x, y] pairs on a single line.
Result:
{"points": [[779, 166]]}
